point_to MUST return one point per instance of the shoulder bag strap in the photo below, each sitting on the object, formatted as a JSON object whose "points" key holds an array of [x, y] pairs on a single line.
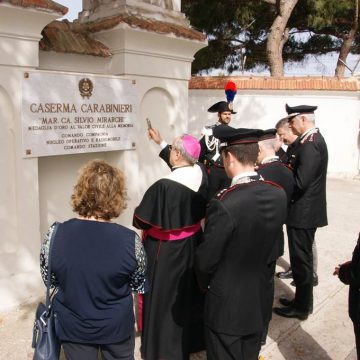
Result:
{"points": [[48, 282]]}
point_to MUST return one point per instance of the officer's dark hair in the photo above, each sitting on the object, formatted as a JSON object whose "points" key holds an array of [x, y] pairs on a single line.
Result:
{"points": [[244, 153]]}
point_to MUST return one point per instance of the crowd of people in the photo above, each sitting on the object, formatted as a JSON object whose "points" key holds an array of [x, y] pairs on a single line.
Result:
{"points": [[211, 233]]}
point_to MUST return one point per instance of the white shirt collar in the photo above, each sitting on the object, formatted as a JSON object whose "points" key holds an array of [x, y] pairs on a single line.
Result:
{"points": [[273, 158], [242, 175]]}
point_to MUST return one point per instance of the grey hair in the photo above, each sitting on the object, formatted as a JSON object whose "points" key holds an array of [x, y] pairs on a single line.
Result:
{"points": [[179, 145], [268, 143], [310, 117]]}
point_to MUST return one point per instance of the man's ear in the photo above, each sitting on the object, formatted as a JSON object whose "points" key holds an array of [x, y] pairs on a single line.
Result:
{"points": [[228, 156], [259, 152]]}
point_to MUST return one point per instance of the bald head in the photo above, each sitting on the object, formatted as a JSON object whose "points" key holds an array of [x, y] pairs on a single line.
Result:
{"points": [[268, 148]]}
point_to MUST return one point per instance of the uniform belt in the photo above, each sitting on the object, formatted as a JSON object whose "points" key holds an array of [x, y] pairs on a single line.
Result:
{"points": [[208, 163], [216, 165]]}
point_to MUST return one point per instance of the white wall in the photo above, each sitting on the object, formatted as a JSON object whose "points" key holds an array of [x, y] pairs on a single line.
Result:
{"points": [[18, 198], [337, 116], [35, 192], [19, 190]]}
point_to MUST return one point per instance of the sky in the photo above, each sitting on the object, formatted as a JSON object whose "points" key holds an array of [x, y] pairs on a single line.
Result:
{"points": [[321, 65], [74, 6]]}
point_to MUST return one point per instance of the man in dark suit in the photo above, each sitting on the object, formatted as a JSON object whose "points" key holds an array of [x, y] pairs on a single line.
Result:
{"points": [[307, 209], [272, 169], [292, 141], [288, 138], [241, 229], [349, 274]]}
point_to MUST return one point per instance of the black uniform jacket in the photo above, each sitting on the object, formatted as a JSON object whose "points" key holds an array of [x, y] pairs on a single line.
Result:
{"points": [[242, 224], [349, 274], [212, 159], [206, 155], [281, 153], [308, 205], [290, 154], [282, 175]]}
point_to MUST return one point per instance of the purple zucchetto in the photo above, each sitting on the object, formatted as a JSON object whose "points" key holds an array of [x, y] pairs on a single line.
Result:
{"points": [[191, 146]]}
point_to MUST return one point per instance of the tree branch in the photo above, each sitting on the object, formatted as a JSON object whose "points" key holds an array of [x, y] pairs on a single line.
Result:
{"points": [[348, 39]]}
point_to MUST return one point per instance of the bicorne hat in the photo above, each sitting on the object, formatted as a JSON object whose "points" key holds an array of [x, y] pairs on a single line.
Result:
{"points": [[220, 107]]}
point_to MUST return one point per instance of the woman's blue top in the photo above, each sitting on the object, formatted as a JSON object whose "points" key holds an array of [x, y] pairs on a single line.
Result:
{"points": [[95, 266]]}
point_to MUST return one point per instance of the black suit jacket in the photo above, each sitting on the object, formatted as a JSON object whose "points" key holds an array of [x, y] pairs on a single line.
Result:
{"points": [[308, 205], [242, 224], [349, 274]]}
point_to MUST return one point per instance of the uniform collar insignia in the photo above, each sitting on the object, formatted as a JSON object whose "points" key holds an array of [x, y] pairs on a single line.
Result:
{"points": [[307, 134]]}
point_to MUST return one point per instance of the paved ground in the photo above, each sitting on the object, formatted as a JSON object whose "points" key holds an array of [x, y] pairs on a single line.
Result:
{"points": [[327, 334]]}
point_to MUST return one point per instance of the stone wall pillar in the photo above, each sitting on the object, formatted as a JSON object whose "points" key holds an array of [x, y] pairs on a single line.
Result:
{"points": [[20, 32], [161, 65], [165, 10]]}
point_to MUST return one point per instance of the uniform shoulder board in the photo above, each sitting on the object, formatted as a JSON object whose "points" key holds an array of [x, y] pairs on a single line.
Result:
{"points": [[207, 130], [273, 184], [309, 138], [312, 137], [221, 193], [289, 166]]}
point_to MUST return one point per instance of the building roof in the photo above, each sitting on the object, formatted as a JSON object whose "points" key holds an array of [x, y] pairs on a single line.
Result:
{"points": [[64, 37], [47, 5], [273, 83], [151, 25]]}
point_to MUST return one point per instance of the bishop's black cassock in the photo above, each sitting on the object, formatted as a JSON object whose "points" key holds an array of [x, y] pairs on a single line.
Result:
{"points": [[170, 214]]}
